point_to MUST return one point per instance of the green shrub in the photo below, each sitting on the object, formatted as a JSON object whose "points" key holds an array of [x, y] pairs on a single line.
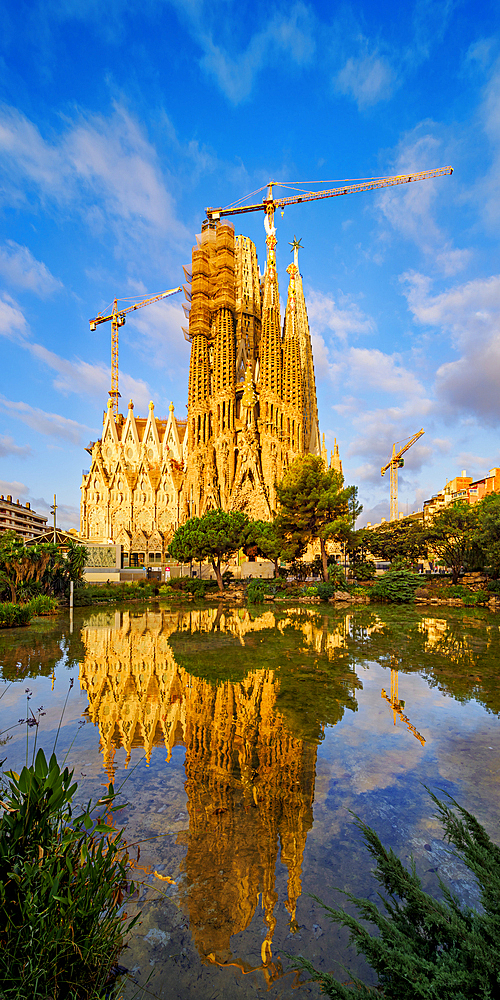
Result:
{"points": [[311, 591], [62, 882], [425, 948], [494, 586], [256, 590], [364, 570], [42, 605], [325, 590], [472, 598], [336, 576], [196, 587], [166, 589], [397, 586], [12, 615]]}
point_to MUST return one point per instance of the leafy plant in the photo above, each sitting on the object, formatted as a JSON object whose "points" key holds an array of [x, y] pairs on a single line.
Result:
{"points": [[397, 586], [325, 590], [336, 576], [215, 536], [311, 591], [425, 949], [256, 590], [364, 570], [42, 605], [12, 615], [62, 882]]}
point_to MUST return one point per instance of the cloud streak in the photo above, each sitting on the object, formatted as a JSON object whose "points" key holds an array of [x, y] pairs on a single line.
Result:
{"points": [[49, 424]]}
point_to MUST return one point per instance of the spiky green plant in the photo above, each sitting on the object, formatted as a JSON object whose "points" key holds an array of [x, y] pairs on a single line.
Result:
{"points": [[425, 948]]}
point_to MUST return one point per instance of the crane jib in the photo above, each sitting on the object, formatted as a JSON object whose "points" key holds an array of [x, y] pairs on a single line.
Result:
{"points": [[269, 204]]}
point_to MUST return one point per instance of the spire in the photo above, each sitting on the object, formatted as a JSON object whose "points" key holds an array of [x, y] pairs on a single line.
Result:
{"points": [[292, 370], [309, 405], [270, 353], [324, 453], [335, 460]]}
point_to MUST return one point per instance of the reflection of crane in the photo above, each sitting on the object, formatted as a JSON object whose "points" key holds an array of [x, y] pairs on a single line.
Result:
{"points": [[396, 462], [117, 317], [270, 204], [397, 705]]}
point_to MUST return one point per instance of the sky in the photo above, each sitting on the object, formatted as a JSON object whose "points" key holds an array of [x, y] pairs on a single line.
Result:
{"points": [[121, 122]]}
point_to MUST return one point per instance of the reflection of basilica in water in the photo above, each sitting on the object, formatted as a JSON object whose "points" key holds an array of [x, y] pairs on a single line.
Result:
{"points": [[249, 775]]}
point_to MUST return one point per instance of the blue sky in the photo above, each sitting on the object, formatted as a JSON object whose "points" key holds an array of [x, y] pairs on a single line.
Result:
{"points": [[119, 123]]}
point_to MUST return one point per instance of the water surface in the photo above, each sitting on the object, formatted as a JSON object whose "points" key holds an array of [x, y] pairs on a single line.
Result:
{"points": [[243, 739]]}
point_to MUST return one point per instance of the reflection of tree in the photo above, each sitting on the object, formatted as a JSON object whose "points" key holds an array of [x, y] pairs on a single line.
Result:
{"points": [[457, 653], [36, 651], [230, 688]]}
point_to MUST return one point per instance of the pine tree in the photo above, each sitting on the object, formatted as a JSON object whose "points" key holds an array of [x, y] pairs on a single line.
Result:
{"points": [[426, 949]]}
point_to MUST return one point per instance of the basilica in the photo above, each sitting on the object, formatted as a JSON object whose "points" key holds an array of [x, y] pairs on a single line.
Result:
{"points": [[251, 409]]}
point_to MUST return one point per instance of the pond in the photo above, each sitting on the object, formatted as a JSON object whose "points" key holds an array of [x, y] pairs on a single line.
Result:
{"points": [[243, 740]]}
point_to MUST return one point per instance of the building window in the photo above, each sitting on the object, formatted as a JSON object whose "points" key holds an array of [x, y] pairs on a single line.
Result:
{"points": [[155, 557], [137, 559]]}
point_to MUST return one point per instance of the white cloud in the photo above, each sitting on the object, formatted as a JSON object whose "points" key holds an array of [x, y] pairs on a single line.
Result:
{"points": [[343, 318], [411, 209], [161, 341], [51, 424], [9, 447], [384, 372], [12, 322], [104, 168], [368, 79], [287, 35], [89, 379], [470, 314], [13, 489], [20, 268]]}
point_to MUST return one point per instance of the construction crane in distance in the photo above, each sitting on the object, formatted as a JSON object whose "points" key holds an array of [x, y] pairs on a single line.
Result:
{"points": [[117, 317], [396, 462], [269, 204], [398, 706]]}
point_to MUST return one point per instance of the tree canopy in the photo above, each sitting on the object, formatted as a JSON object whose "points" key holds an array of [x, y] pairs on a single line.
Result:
{"points": [[403, 540], [216, 536], [451, 535], [38, 567], [487, 533], [314, 504]]}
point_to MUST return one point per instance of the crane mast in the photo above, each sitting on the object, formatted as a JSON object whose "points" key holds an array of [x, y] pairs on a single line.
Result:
{"points": [[117, 318], [396, 462], [398, 706]]}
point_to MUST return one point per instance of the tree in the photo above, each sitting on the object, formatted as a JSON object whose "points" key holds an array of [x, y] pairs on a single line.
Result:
{"points": [[451, 535], [264, 538], [216, 536], [487, 533], [16, 565], [426, 948], [402, 540], [314, 505]]}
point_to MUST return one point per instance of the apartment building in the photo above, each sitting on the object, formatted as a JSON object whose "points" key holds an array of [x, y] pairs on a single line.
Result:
{"points": [[21, 519]]}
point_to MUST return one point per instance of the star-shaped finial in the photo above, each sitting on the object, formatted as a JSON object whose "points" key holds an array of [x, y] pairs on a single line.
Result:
{"points": [[296, 245]]}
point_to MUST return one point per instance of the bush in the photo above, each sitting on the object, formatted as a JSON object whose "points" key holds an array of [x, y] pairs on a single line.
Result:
{"points": [[336, 576], [256, 590], [425, 949], [12, 615], [364, 571], [325, 590], [397, 586], [311, 591], [472, 598], [494, 586], [196, 587], [62, 883], [42, 605]]}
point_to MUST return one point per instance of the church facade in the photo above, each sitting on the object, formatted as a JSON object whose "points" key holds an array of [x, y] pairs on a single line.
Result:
{"points": [[252, 408]]}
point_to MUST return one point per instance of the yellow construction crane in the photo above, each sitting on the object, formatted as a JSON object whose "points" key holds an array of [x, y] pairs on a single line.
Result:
{"points": [[397, 706], [117, 317], [269, 204], [396, 462]]}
